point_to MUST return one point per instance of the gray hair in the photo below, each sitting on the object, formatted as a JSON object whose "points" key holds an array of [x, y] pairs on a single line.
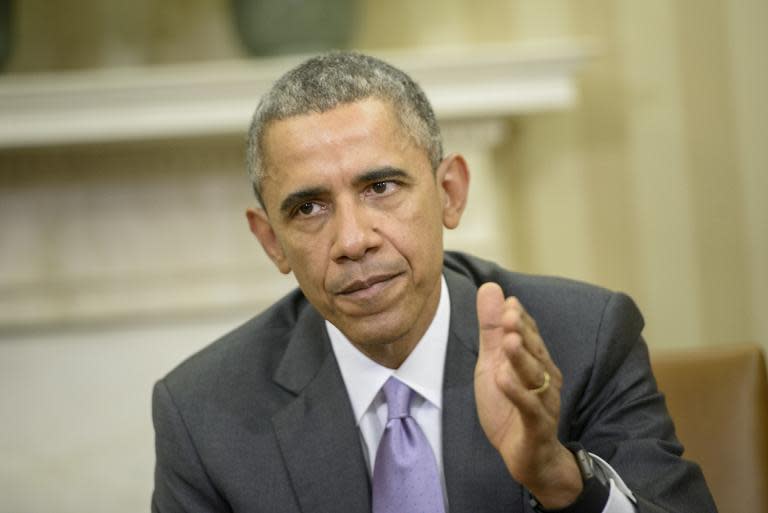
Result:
{"points": [[326, 81]]}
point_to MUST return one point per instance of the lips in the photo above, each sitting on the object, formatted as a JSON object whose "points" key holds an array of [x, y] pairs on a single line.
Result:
{"points": [[367, 283]]}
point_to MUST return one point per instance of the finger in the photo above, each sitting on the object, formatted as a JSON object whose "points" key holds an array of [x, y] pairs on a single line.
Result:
{"points": [[532, 336], [530, 372], [490, 307], [517, 318], [538, 412], [528, 369], [513, 319], [532, 409]]}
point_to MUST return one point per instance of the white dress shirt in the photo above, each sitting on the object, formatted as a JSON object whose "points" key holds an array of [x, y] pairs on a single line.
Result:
{"points": [[422, 371]]}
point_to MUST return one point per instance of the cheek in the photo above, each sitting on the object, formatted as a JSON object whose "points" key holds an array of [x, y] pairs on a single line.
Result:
{"points": [[308, 261], [425, 218], [417, 232]]}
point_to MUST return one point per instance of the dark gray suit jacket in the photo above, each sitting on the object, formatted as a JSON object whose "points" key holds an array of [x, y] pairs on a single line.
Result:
{"points": [[260, 420]]}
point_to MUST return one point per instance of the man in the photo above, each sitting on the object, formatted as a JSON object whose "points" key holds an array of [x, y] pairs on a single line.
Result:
{"points": [[400, 378]]}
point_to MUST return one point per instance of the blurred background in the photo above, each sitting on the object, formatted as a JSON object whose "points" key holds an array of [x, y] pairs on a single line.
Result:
{"points": [[618, 142]]}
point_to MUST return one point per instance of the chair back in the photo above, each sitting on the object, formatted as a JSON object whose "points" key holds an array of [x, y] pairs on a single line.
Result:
{"points": [[718, 399]]}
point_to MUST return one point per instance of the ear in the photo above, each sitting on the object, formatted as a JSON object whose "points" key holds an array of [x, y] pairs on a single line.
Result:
{"points": [[453, 183], [262, 229]]}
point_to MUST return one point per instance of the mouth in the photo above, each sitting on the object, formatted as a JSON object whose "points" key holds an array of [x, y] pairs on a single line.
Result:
{"points": [[360, 287]]}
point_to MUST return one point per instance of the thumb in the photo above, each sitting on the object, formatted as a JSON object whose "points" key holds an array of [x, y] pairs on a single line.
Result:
{"points": [[490, 305]]}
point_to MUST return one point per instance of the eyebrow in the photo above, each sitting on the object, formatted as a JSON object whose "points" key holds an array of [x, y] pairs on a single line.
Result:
{"points": [[301, 196], [379, 174]]}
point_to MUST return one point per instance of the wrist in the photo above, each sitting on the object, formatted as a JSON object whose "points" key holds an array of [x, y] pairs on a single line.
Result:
{"points": [[562, 483], [595, 487]]}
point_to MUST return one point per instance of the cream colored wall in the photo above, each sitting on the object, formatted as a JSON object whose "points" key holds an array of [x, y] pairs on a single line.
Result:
{"points": [[652, 185], [748, 72], [689, 177], [76, 434], [76, 34], [655, 185]]}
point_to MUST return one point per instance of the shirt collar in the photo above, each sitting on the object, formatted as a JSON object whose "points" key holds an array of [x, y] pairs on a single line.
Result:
{"points": [[422, 370]]}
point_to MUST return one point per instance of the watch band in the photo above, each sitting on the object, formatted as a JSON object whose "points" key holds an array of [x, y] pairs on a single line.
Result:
{"points": [[596, 487]]}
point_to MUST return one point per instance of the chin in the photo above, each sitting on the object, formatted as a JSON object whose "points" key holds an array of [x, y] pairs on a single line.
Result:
{"points": [[374, 332], [376, 336]]}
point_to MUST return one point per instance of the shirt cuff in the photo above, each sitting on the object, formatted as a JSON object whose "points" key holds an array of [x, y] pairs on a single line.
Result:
{"points": [[620, 498]]}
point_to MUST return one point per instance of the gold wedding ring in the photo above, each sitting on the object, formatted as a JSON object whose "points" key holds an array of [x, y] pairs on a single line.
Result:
{"points": [[544, 386]]}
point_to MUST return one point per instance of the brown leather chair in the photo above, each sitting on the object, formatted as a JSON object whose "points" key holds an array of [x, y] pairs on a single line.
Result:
{"points": [[718, 399]]}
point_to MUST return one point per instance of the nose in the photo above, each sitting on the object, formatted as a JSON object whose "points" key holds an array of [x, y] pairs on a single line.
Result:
{"points": [[355, 233]]}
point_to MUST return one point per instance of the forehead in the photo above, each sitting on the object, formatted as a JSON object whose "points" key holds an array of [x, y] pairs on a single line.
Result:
{"points": [[307, 134], [344, 141]]}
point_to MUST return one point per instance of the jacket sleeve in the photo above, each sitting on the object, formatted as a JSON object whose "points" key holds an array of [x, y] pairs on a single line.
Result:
{"points": [[181, 482], [622, 417]]}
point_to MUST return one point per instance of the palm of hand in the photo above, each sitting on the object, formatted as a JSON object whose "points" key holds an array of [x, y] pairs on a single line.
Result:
{"points": [[521, 425], [499, 417]]}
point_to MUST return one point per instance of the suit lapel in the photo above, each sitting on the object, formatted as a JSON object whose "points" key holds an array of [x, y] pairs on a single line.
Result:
{"points": [[476, 477], [316, 432], [321, 446]]}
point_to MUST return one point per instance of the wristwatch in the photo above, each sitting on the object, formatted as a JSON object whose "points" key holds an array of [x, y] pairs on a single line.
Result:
{"points": [[596, 487]]}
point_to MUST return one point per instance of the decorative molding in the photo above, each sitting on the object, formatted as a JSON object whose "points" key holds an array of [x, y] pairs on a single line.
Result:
{"points": [[92, 231], [218, 98]]}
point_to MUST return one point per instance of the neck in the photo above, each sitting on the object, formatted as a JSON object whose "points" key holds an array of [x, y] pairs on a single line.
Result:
{"points": [[389, 355]]}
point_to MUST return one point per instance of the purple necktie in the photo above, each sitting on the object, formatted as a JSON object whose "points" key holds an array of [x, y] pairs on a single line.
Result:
{"points": [[405, 476]]}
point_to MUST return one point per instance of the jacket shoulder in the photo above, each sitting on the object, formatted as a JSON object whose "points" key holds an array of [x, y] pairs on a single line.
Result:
{"points": [[251, 351], [529, 288], [569, 313]]}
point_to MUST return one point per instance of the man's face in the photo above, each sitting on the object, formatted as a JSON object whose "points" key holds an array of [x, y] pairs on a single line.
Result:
{"points": [[356, 212]]}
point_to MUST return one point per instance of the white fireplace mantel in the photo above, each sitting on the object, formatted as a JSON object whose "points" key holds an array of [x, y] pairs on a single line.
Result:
{"points": [[93, 231], [218, 98]]}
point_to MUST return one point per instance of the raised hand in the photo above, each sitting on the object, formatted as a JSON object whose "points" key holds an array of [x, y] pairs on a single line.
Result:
{"points": [[517, 390]]}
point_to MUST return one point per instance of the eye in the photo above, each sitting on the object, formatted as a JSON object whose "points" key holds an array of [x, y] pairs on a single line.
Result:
{"points": [[308, 208], [379, 187], [382, 188]]}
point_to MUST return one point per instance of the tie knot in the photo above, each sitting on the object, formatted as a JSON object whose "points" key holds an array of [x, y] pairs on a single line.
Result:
{"points": [[398, 396]]}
